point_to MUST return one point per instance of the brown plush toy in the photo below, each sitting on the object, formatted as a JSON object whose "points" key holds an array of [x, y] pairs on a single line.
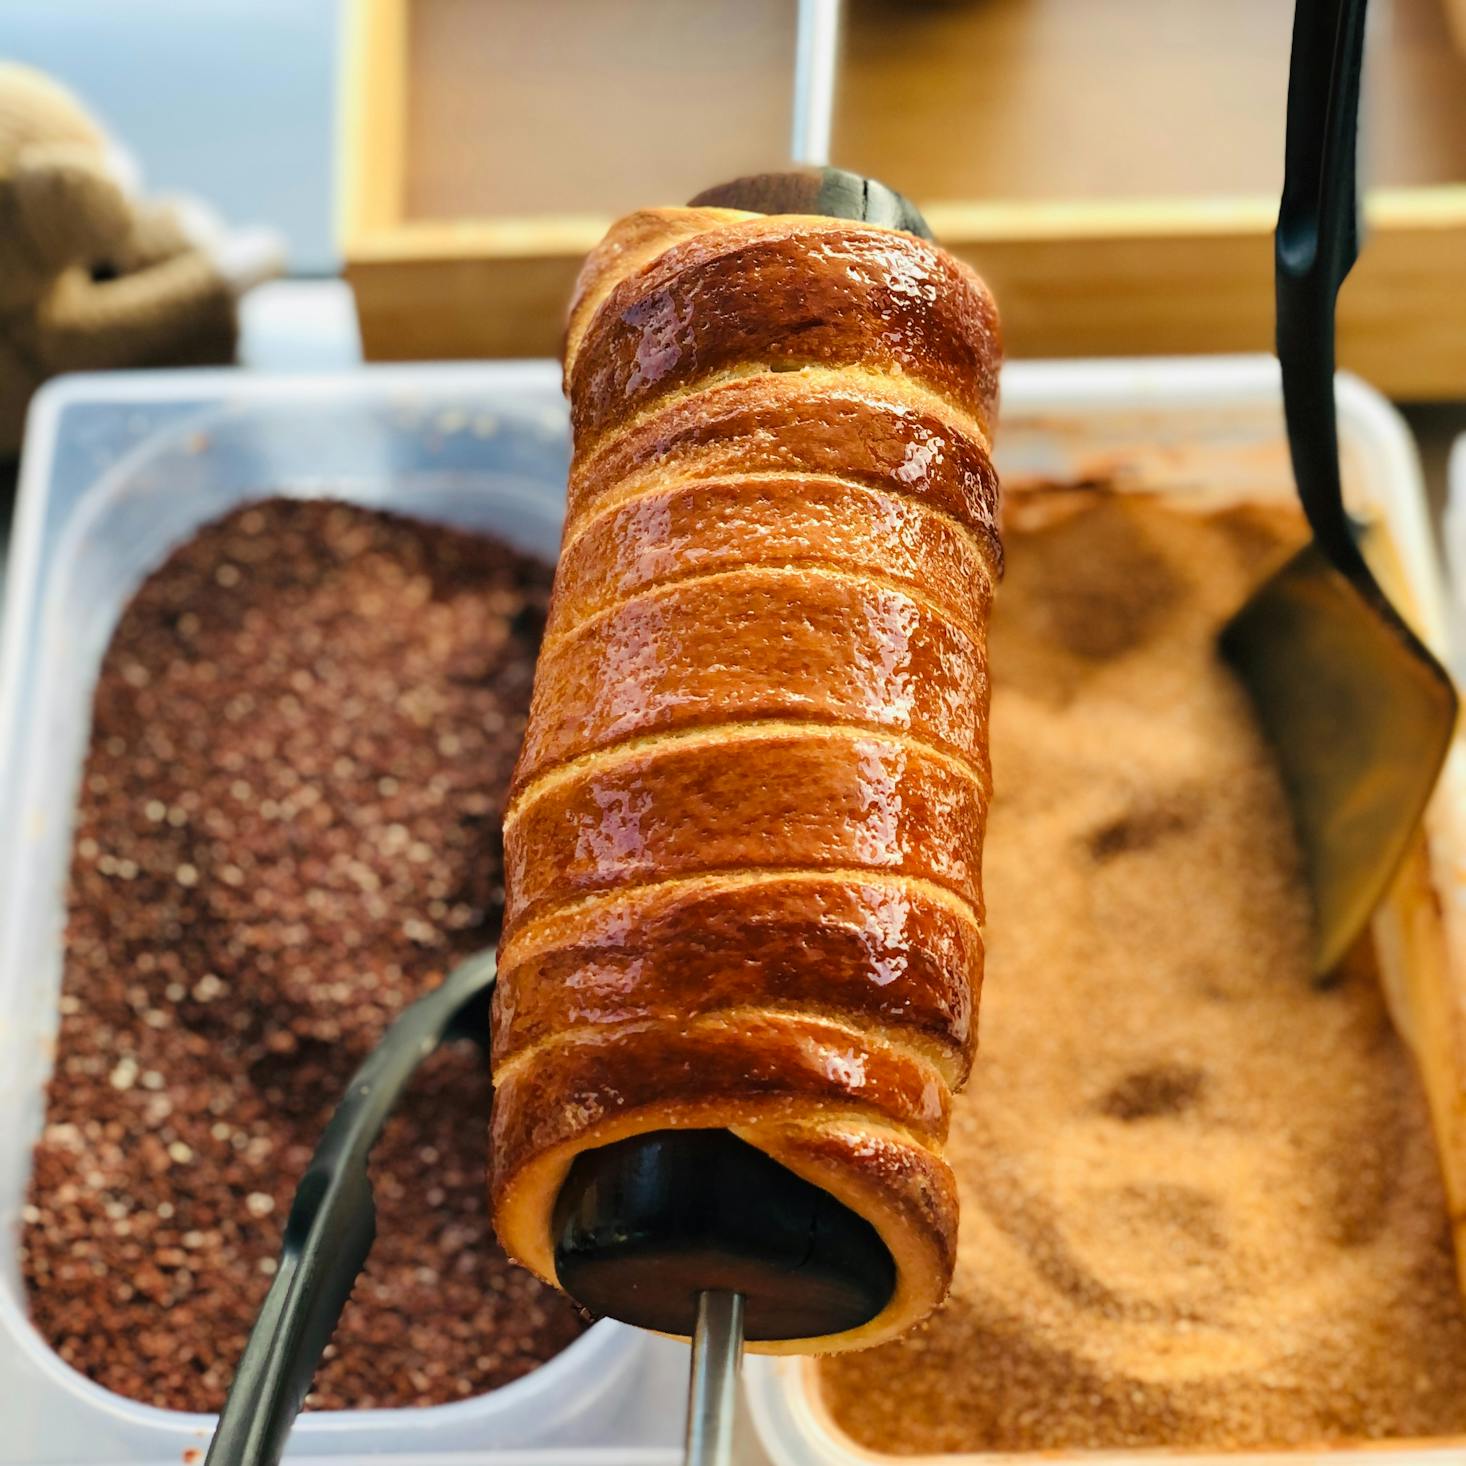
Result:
{"points": [[89, 277]]}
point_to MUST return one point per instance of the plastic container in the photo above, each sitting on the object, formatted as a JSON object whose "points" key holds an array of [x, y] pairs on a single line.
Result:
{"points": [[121, 467], [1213, 429], [1455, 536], [118, 470]]}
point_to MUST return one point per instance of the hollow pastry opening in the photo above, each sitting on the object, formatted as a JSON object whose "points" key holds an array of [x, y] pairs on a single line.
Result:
{"points": [[644, 1224]]}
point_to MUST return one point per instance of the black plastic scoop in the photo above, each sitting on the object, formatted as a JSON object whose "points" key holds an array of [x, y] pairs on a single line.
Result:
{"points": [[1358, 710], [333, 1222]]}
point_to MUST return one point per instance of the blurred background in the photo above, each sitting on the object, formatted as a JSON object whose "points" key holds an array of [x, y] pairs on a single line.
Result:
{"points": [[233, 100], [436, 168]]}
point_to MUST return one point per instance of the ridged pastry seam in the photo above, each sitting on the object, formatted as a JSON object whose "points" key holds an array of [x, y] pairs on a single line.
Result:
{"points": [[872, 1035], [850, 1116], [730, 240], [745, 730], [722, 1109], [945, 1060], [791, 387], [934, 401], [646, 488], [894, 387], [610, 504], [597, 282], [742, 877], [803, 569], [757, 426]]}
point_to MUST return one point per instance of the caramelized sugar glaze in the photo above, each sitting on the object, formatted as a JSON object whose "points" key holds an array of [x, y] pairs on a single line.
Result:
{"points": [[743, 848]]}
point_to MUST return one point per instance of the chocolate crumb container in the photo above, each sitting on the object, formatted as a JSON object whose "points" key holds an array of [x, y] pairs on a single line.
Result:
{"points": [[118, 471], [1212, 431]]}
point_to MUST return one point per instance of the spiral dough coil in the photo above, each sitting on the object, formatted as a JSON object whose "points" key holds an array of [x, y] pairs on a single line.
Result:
{"points": [[744, 837]]}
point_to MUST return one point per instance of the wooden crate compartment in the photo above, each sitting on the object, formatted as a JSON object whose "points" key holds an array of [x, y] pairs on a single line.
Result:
{"points": [[1111, 166]]}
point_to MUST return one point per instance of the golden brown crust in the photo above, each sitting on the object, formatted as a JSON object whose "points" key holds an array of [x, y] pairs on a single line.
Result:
{"points": [[631, 242], [860, 429], [699, 528], [896, 1181], [752, 643], [742, 1057], [775, 799], [905, 1190], [783, 293], [890, 952], [766, 1073], [742, 850]]}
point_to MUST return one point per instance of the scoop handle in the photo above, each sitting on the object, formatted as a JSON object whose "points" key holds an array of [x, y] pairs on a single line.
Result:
{"points": [[333, 1223], [1315, 246]]}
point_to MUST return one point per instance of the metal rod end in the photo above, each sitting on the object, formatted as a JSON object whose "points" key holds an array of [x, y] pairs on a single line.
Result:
{"points": [[712, 1395]]}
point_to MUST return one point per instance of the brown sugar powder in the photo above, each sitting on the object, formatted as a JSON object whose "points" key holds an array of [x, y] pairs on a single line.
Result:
{"points": [[288, 828], [1200, 1200]]}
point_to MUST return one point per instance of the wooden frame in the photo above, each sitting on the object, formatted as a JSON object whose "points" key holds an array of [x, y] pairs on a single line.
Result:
{"points": [[1456, 16], [1075, 278]]}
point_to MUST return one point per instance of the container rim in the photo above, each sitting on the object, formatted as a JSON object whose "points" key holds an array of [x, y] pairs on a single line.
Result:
{"points": [[598, 1361], [605, 1341]]}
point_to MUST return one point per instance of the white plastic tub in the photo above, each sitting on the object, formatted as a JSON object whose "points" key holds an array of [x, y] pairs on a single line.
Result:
{"points": [[122, 467], [1214, 429], [1455, 535], [118, 471]]}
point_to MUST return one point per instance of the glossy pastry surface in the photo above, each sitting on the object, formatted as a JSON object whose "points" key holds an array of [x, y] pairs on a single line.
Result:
{"points": [[894, 951], [757, 796], [760, 642], [770, 294], [705, 526], [856, 426], [743, 846]]}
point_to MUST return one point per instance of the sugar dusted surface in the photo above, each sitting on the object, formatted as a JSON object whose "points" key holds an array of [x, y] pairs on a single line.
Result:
{"points": [[1200, 1201]]}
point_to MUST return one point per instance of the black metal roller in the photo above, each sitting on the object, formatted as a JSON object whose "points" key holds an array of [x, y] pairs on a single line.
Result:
{"points": [[645, 1225], [832, 191]]}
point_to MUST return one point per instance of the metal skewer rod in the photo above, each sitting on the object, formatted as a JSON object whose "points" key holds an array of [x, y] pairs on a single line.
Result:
{"points": [[717, 1339], [816, 54], [712, 1393]]}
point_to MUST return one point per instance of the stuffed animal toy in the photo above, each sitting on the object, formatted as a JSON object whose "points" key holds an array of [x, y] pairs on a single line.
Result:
{"points": [[90, 277]]}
